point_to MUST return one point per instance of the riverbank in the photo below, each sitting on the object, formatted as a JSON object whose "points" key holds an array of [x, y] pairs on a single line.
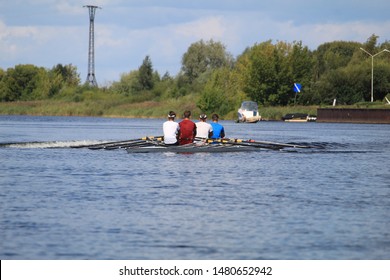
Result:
{"points": [[93, 108], [146, 109], [112, 108]]}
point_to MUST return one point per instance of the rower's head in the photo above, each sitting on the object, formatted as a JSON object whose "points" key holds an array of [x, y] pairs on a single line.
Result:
{"points": [[187, 114], [171, 115], [203, 117], [215, 117]]}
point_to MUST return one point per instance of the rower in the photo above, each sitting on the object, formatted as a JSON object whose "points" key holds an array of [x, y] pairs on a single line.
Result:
{"points": [[187, 129], [171, 130], [218, 129], [204, 130]]}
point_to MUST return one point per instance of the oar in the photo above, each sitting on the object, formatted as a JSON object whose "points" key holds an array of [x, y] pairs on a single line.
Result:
{"points": [[146, 141], [287, 145], [255, 145], [130, 145], [158, 141], [124, 144], [102, 144], [230, 142], [116, 143], [258, 144]]}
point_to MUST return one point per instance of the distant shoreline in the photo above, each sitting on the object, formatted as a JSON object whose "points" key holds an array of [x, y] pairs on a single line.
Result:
{"points": [[150, 110]]}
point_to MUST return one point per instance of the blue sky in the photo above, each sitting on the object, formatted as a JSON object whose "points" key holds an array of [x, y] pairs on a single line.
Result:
{"points": [[48, 32]]}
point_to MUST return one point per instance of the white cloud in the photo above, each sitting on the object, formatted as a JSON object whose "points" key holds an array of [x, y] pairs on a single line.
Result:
{"points": [[66, 7], [314, 35], [204, 28], [40, 45], [121, 49], [47, 32]]}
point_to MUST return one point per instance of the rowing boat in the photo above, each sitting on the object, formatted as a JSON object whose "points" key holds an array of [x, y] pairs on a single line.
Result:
{"points": [[155, 144], [192, 148]]}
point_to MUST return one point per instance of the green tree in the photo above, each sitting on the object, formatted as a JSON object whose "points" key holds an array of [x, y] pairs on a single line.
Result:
{"points": [[213, 97], [128, 84], [145, 74], [166, 87], [202, 57], [63, 77], [68, 74], [346, 75], [333, 55], [259, 72], [21, 82], [337, 84], [269, 71], [302, 64], [371, 43]]}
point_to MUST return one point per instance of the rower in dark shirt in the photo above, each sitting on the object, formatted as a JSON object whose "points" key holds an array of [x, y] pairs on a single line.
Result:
{"points": [[187, 129]]}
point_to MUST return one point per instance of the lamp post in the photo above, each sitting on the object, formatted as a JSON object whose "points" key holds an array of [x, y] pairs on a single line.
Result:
{"points": [[372, 69]]}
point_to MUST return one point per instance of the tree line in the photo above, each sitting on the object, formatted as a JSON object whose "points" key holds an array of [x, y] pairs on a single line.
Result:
{"points": [[264, 72]]}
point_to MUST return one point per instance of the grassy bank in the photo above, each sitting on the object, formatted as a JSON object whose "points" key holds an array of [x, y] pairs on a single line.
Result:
{"points": [[97, 108], [145, 109]]}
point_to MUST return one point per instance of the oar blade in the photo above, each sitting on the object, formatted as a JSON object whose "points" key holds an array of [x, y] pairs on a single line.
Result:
{"points": [[118, 144], [258, 144]]}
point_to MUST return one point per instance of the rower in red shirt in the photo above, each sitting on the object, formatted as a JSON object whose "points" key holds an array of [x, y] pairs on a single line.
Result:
{"points": [[187, 129]]}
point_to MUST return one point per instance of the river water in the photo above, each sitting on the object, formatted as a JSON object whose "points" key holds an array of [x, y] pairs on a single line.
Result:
{"points": [[331, 201]]}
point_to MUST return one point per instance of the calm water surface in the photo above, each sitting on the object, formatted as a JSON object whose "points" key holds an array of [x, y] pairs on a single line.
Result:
{"points": [[328, 202]]}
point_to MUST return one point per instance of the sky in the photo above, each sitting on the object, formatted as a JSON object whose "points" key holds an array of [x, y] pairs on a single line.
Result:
{"points": [[48, 32]]}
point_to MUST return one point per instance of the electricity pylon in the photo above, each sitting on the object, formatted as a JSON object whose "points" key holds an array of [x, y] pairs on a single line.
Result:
{"points": [[91, 78]]}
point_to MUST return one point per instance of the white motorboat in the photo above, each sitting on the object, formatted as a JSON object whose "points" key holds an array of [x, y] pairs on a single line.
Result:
{"points": [[248, 112]]}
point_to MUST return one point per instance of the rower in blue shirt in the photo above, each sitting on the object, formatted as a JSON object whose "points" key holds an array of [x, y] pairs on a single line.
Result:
{"points": [[218, 130]]}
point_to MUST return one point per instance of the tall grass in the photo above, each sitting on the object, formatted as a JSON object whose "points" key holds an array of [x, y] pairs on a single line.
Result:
{"points": [[108, 106]]}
